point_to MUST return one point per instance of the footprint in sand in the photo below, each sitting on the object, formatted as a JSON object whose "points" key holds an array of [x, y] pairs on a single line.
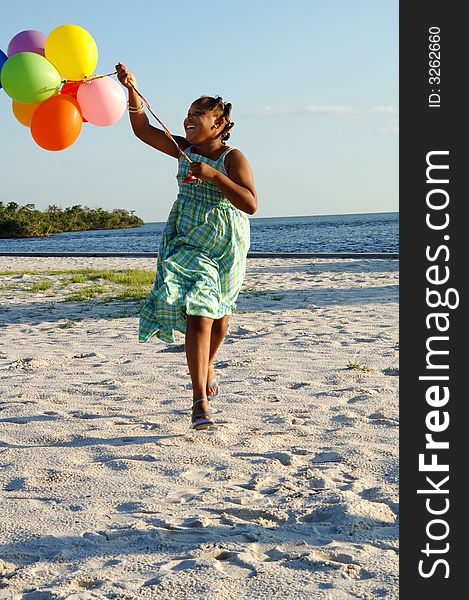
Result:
{"points": [[233, 560], [261, 516], [197, 475], [393, 371], [38, 596], [20, 483], [120, 462], [26, 420], [381, 419], [236, 564], [297, 385], [29, 363], [174, 348], [130, 507], [349, 514], [344, 420], [378, 494], [182, 495], [82, 415], [321, 560], [284, 458], [327, 456], [359, 398], [233, 564]]}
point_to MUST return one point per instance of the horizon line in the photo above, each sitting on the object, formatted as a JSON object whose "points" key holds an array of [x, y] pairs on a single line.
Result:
{"points": [[378, 212]]}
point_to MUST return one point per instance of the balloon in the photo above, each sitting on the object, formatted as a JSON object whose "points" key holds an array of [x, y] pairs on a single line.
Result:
{"points": [[23, 112], [29, 78], [27, 41], [56, 123], [70, 89], [72, 50], [102, 101], [3, 58]]}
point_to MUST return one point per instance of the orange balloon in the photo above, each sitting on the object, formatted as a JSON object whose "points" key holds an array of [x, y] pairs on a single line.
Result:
{"points": [[56, 123], [23, 112]]}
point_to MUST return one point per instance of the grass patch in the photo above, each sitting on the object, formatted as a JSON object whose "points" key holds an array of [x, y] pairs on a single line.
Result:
{"points": [[131, 277], [67, 325], [78, 278], [12, 272], [124, 276], [357, 366], [254, 291], [86, 293], [40, 286], [110, 285], [9, 286]]}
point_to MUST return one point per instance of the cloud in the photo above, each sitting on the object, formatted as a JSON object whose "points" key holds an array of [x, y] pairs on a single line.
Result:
{"points": [[392, 130], [385, 110], [317, 110]]}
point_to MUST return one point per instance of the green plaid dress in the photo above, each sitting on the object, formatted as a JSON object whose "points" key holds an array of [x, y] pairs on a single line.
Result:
{"points": [[201, 258]]}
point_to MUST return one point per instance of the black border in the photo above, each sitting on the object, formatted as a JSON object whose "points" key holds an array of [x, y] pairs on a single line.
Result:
{"points": [[425, 128]]}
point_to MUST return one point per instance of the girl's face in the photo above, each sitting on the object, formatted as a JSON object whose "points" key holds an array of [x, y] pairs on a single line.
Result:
{"points": [[201, 124]]}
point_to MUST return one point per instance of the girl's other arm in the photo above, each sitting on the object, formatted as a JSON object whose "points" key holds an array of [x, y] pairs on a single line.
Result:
{"points": [[238, 187], [152, 136]]}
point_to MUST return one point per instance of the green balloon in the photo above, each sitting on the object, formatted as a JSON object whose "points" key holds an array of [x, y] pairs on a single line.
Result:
{"points": [[29, 78]]}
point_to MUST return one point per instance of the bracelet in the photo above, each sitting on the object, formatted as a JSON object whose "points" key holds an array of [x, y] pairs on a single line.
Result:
{"points": [[135, 109]]}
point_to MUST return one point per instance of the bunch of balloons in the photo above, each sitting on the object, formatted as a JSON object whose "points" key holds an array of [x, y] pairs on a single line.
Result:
{"points": [[49, 79]]}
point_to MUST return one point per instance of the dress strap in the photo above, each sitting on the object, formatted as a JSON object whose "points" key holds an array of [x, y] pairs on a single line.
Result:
{"points": [[227, 151], [221, 158]]}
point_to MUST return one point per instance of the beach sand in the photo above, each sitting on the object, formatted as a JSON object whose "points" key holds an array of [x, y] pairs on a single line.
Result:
{"points": [[107, 493]]}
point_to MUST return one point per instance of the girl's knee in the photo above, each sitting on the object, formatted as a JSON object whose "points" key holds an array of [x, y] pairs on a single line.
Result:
{"points": [[197, 323], [221, 324]]}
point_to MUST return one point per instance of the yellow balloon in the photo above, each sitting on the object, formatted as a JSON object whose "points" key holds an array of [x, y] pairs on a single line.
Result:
{"points": [[72, 51]]}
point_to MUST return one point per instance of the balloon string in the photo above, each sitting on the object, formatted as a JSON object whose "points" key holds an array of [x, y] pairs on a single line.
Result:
{"points": [[166, 130], [86, 79]]}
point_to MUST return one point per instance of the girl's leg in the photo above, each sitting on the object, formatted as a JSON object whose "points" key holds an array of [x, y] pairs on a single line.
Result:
{"points": [[219, 329], [198, 335]]}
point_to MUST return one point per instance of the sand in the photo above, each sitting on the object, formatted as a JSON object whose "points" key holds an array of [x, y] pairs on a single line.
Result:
{"points": [[105, 490]]}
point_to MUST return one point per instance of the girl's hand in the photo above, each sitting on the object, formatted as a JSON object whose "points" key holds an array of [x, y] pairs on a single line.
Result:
{"points": [[125, 76], [203, 171]]}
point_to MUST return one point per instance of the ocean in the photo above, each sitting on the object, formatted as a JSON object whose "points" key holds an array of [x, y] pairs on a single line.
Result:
{"points": [[368, 232]]}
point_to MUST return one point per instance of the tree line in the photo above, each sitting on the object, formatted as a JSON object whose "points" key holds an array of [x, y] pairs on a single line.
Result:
{"points": [[28, 221]]}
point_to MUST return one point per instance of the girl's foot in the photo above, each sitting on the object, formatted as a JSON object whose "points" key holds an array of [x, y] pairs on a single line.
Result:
{"points": [[212, 383], [201, 418]]}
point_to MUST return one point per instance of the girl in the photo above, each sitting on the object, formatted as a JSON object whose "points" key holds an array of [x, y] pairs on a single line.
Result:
{"points": [[202, 255]]}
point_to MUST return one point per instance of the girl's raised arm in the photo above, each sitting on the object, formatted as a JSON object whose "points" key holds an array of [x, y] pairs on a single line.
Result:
{"points": [[152, 136]]}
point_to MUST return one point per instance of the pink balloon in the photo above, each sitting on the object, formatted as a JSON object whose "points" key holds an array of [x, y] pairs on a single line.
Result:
{"points": [[27, 41], [102, 101]]}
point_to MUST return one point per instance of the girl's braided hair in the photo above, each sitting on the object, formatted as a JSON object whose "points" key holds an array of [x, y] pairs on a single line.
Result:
{"points": [[223, 109]]}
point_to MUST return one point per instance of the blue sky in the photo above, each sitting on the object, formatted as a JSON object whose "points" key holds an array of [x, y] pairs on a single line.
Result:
{"points": [[313, 83]]}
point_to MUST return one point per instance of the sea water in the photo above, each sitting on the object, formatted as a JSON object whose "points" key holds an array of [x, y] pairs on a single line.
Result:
{"points": [[369, 232]]}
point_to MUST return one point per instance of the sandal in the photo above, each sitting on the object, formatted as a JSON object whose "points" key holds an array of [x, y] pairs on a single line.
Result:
{"points": [[203, 421]]}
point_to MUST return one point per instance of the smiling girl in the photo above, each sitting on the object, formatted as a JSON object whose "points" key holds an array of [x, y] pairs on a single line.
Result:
{"points": [[202, 255]]}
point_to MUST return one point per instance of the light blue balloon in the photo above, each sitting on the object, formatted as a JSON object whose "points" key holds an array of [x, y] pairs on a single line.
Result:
{"points": [[3, 58]]}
